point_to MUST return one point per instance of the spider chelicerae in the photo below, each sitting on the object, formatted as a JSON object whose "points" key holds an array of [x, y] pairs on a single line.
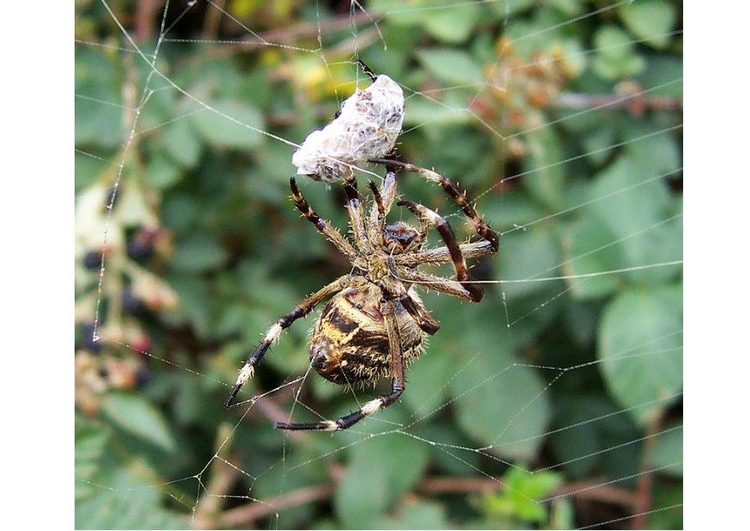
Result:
{"points": [[374, 324]]}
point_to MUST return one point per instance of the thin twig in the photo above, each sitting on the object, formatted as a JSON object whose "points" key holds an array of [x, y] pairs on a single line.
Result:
{"points": [[448, 484], [591, 490], [143, 21], [643, 498], [212, 22], [287, 35], [221, 480], [597, 491], [245, 515], [636, 104], [271, 410]]}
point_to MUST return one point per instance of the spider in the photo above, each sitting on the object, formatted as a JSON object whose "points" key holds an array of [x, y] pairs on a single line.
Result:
{"points": [[374, 323]]}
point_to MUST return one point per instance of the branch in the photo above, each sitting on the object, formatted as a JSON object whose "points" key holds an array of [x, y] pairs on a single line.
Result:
{"points": [[287, 35], [245, 515], [636, 104], [643, 497], [446, 485], [220, 482], [590, 490]]}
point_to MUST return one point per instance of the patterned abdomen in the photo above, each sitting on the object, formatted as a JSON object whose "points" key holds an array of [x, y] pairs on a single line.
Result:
{"points": [[349, 344]]}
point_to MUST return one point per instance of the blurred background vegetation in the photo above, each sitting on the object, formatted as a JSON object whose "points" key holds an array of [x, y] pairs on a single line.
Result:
{"points": [[561, 117]]}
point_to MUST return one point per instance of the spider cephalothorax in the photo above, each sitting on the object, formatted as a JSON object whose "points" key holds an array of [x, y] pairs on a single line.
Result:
{"points": [[374, 323]]}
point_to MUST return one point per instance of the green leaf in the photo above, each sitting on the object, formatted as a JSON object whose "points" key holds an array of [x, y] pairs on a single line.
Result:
{"points": [[640, 346], [452, 24], [580, 319], [563, 514], [90, 442], [507, 8], [520, 497], [196, 303], [665, 75], [181, 143], [391, 464], [408, 15], [112, 510], [590, 252], [545, 180], [667, 451], [615, 54], [597, 141], [198, 252], [528, 255], [229, 124], [526, 490], [630, 222], [668, 507], [452, 66], [99, 115], [501, 404], [584, 424], [651, 20], [136, 415], [422, 395], [162, 172], [417, 514], [632, 201], [448, 111], [568, 7], [444, 20], [88, 167], [652, 154]]}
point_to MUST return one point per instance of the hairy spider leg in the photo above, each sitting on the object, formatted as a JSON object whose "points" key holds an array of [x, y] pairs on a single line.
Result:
{"points": [[384, 198], [442, 255], [398, 383], [388, 190], [420, 314], [379, 206], [482, 228], [356, 217], [273, 333], [473, 291], [436, 283], [395, 294], [367, 70], [329, 231]]}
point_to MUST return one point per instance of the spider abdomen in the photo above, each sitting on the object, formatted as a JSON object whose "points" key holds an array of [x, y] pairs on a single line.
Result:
{"points": [[349, 344]]}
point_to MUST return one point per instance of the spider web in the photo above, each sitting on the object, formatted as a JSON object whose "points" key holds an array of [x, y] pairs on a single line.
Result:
{"points": [[491, 423]]}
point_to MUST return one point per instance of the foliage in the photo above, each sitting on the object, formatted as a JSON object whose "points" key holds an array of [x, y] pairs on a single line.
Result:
{"points": [[187, 249], [517, 504]]}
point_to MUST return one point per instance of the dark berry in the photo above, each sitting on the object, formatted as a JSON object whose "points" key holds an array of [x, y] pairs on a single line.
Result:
{"points": [[130, 301], [142, 376], [142, 244], [86, 338], [92, 260], [140, 249]]}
